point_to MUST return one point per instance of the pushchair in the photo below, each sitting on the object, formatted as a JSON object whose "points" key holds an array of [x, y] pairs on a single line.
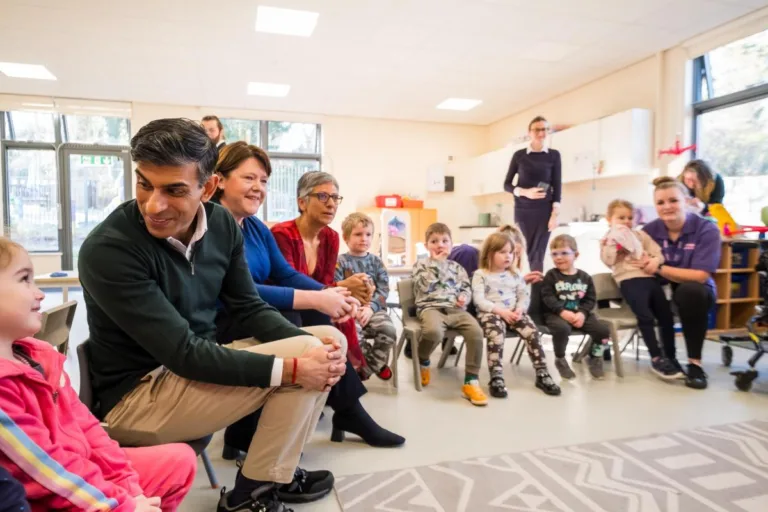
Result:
{"points": [[757, 334]]}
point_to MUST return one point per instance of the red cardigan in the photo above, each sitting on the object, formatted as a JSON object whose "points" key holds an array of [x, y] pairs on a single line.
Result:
{"points": [[291, 245]]}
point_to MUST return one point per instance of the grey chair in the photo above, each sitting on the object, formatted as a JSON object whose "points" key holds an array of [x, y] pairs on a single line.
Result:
{"points": [[412, 332], [618, 318], [86, 396], [57, 324]]}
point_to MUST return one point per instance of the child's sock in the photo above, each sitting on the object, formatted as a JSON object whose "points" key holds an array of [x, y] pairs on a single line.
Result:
{"points": [[597, 349], [469, 377]]}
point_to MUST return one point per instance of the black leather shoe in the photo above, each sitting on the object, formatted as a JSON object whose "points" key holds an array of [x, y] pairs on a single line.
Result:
{"points": [[695, 377]]}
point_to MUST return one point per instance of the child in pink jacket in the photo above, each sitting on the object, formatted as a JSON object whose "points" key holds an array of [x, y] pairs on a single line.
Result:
{"points": [[49, 441]]}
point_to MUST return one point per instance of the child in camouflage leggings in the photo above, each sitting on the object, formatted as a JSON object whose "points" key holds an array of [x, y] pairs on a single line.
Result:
{"points": [[501, 297], [372, 321]]}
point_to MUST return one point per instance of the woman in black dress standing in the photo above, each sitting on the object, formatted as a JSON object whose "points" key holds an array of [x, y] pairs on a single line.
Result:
{"points": [[537, 192]]}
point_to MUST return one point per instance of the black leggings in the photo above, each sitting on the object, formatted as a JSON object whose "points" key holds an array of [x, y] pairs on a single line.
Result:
{"points": [[560, 330], [693, 302], [343, 395], [646, 298]]}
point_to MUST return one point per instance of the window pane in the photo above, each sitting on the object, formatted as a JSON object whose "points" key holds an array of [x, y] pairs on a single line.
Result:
{"points": [[34, 126], [241, 129], [293, 137], [98, 130], [281, 198], [739, 65], [97, 186], [33, 194], [734, 141]]}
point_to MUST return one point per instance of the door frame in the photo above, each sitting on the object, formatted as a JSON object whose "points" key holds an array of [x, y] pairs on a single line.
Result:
{"points": [[65, 190]]}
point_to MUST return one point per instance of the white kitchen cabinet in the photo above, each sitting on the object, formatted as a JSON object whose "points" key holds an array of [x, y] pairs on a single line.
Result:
{"points": [[579, 149], [626, 142]]}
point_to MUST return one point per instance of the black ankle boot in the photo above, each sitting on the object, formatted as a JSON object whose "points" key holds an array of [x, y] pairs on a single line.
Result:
{"points": [[356, 420]]}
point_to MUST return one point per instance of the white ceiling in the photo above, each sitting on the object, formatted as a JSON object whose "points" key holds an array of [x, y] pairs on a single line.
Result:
{"points": [[371, 58]]}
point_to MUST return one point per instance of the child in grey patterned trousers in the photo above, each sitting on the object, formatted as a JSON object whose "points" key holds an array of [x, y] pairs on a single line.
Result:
{"points": [[501, 297], [372, 321]]}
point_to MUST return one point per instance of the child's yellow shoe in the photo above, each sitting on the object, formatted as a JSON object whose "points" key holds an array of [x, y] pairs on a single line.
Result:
{"points": [[425, 375], [474, 393]]}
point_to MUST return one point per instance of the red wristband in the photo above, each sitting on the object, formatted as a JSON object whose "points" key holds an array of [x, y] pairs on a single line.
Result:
{"points": [[295, 367]]}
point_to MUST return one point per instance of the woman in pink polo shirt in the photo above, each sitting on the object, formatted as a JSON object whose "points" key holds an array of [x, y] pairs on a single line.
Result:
{"points": [[691, 248]]}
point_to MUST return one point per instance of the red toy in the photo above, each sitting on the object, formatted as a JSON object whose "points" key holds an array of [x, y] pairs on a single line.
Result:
{"points": [[676, 149], [743, 229]]}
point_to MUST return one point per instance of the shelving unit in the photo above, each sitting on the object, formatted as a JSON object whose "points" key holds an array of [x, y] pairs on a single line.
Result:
{"points": [[734, 311]]}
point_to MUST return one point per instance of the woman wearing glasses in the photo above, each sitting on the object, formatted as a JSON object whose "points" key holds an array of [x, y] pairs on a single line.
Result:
{"points": [[537, 191], [310, 246], [244, 172]]}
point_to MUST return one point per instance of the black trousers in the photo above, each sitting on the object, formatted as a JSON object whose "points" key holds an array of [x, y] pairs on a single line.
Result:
{"points": [[343, 395], [560, 330], [646, 298], [693, 302], [534, 223]]}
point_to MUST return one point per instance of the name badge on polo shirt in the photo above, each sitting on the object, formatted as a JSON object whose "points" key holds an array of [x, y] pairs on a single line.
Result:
{"points": [[674, 253]]}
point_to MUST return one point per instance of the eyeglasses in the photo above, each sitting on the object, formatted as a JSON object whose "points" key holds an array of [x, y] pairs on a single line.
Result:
{"points": [[324, 197], [557, 254], [540, 130]]}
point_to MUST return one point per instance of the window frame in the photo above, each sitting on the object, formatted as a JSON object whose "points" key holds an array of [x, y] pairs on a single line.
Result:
{"points": [[63, 150], [264, 138]]}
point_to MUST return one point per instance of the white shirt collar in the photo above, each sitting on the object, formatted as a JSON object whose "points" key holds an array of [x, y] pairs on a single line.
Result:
{"points": [[529, 150], [201, 227]]}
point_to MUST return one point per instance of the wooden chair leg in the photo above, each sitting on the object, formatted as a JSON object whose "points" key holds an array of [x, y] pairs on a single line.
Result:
{"points": [[637, 344], [209, 470]]}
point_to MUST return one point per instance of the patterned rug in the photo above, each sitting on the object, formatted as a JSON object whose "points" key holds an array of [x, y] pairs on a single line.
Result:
{"points": [[722, 469]]}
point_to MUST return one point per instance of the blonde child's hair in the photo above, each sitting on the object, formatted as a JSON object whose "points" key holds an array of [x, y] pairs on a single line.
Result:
{"points": [[616, 204], [564, 241], [493, 244], [8, 249], [352, 221], [437, 228], [520, 245]]}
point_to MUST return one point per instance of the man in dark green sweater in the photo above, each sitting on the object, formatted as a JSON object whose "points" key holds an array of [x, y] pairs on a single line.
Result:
{"points": [[152, 273]]}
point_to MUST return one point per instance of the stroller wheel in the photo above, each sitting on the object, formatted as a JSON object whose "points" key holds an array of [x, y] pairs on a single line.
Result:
{"points": [[726, 355], [744, 379]]}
